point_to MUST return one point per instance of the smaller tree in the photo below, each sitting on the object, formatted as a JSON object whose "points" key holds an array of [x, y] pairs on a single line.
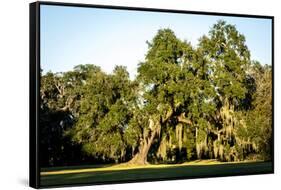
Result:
{"points": [[104, 113]]}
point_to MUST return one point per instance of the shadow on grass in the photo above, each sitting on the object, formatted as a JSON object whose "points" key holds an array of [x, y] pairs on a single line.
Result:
{"points": [[60, 168], [142, 174]]}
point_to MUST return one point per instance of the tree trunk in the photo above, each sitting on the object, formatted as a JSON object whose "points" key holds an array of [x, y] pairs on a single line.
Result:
{"points": [[155, 128], [141, 157]]}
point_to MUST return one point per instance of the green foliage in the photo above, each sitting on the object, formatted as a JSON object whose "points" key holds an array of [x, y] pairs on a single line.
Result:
{"points": [[257, 130], [104, 113]]}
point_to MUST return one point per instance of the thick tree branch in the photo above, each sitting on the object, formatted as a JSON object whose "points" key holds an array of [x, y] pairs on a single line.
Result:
{"points": [[183, 119], [68, 103]]}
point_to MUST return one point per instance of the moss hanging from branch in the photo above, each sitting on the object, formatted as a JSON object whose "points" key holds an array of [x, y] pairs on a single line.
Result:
{"points": [[179, 134], [162, 150]]}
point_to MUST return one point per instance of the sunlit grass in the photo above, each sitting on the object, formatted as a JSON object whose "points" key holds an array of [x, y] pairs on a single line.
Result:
{"points": [[125, 166]]}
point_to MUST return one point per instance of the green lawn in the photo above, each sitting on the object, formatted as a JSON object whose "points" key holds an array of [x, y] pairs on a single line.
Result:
{"points": [[108, 173]]}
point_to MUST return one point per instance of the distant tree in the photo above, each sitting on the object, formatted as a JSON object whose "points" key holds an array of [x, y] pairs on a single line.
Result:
{"points": [[55, 119], [256, 135]]}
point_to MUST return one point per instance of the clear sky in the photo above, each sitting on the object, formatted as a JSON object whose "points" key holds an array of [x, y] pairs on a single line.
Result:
{"points": [[73, 35]]}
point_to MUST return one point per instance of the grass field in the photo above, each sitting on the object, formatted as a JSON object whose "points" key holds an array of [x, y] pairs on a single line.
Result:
{"points": [[114, 173]]}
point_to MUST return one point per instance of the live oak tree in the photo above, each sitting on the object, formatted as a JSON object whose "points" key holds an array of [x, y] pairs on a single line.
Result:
{"points": [[228, 58], [198, 88], [104, 113], [166, 84]]}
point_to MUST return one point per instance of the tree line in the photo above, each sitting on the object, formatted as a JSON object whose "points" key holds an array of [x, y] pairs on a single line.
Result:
{"points": [[186, 103]]}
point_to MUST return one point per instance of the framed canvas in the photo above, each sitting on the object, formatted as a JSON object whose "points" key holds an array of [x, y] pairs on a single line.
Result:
{"points": [[127, 94]]}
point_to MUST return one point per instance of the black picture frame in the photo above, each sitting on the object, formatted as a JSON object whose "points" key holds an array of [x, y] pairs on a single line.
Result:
{"points": [[34, 86]]}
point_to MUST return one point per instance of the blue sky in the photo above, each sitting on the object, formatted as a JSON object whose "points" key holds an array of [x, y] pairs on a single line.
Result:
{"points": [[73, 35]]}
